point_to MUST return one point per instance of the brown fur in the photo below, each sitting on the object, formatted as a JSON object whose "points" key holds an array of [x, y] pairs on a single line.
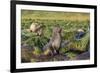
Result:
{"points": [[55, 41]]}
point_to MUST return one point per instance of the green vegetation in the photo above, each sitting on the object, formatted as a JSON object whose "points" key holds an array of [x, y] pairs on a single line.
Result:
{"points": [[70, 22]]}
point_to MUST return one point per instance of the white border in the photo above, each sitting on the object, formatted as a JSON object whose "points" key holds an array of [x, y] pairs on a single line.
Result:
{"points": [[20, 65]]}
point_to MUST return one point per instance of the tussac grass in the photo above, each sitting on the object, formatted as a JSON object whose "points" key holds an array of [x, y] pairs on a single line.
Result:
{"points": [[70, 22]]}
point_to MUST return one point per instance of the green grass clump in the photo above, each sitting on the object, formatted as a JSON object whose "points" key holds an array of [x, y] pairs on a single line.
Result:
{"points": [[81, 45]]}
